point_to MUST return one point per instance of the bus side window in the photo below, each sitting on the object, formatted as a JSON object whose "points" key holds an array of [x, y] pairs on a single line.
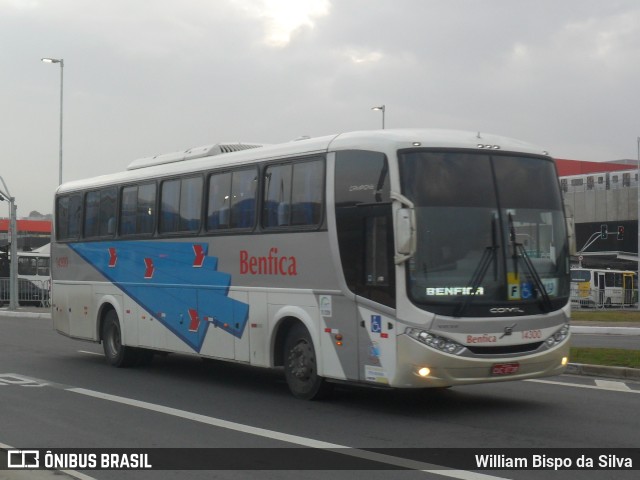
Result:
{"points": [[293, 194], [137, 206], [68, 217], [243, 198], [219, 199], [306, 194], [277, 195], [232, 200], [181, 203], [27, 266], [43, 267]]}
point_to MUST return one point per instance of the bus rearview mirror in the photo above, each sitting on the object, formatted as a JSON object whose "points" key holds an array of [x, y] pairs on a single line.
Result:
{"points": [[405, 234]]}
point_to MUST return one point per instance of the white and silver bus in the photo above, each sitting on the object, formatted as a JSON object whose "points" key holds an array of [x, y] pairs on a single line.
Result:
{"points": [[34, 277], [403, 258], [592, 287]]}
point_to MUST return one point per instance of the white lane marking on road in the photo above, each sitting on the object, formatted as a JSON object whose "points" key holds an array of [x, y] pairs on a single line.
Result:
{"points": [[592, 387], [21, 380], [91, 353], [613, 385], [285, 437], [71, 473]]}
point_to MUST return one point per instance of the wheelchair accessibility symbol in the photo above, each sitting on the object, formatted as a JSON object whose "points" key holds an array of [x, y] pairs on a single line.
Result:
{"points": [[526, 291], [376, 323]]}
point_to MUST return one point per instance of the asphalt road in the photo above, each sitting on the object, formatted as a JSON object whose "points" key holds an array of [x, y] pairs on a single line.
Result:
{"points": [[56, 392]]}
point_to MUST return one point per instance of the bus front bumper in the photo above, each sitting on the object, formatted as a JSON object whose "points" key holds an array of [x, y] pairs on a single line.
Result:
{"points": [[450, 370]]}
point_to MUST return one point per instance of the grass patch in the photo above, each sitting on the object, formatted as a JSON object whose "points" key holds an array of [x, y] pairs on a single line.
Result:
{"points": [[601, 315], [613, 357]]}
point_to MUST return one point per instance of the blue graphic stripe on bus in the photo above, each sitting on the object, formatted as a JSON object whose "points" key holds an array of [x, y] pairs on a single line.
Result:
{"points": [[177, 283]]}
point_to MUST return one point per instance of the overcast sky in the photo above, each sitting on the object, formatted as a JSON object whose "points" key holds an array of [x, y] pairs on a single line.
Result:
{"points": [[149, 77]]}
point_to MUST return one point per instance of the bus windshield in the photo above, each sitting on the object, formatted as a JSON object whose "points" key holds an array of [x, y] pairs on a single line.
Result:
{"points": [[490, 231]]}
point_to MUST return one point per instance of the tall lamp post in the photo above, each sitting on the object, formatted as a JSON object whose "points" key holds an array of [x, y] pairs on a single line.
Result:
{"points": [[638, 185], [382, 109], [13, 238], [61, 62]]}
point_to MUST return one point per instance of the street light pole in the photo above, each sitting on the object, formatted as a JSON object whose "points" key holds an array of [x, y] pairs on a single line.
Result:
{"points": [[61, 62], [13, 238], [382, 109], [638, 186]]}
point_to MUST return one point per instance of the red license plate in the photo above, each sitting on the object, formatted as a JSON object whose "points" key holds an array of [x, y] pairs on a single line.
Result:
{"points": [[505, 368]]}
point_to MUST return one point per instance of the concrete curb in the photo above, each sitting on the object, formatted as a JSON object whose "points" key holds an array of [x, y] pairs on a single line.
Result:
{"points": [[605, 330], [620, 373]]}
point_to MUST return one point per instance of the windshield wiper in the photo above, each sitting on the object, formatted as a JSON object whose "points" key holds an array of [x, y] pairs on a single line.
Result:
{"points": [[520, 252], [488, 257]]}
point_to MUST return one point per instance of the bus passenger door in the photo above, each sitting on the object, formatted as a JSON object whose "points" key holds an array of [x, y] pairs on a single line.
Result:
{"points": [[376, 296], [364, 228], [627, 285], [601, 289]]}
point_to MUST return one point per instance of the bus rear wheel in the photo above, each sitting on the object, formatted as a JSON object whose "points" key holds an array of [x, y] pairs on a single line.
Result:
{"points": [[116, 354], [300, 366]]}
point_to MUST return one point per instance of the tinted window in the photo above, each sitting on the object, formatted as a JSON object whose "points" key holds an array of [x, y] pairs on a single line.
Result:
{"points": [[277, 196], [293, 194], [137, 209], [232, 200], [361, 177], [100, 213], [181, 202], [580, 276], [43, 267], [27, 265], [68, 217], [306, 193], [473, 211], [91, 213]]}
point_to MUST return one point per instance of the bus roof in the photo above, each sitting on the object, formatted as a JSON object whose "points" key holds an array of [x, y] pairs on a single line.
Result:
{"points": [[217, 155]]}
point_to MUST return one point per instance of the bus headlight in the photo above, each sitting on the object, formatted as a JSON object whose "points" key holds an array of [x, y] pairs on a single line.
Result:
{"points": [[434, 341], [559, 336]]}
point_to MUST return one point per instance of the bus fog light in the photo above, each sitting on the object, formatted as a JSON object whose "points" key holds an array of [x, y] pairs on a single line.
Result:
{"points": [[424, 372], [565, 360]]}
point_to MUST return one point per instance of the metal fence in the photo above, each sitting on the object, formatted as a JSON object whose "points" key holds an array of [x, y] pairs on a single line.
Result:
{"points": [[604, 298], [30, 292]]}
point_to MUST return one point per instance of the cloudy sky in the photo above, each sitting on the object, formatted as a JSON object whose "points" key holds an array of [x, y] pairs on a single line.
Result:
{"points": [[149, 77]]}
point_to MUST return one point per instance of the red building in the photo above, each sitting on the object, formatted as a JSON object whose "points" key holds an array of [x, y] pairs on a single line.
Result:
{"points": [[31, 233], [580, 167]]}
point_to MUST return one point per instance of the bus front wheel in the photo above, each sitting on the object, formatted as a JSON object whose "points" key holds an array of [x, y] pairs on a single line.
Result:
{"points": [[116, 354], [300, 366]]}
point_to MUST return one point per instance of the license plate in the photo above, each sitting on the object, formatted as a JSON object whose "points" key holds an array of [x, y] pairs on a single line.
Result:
{"points": [[504, 368]]}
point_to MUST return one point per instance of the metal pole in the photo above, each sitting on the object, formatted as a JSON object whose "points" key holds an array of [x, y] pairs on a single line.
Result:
{"points": [[638, 222], [61, 62], [13, 237], [382, 108], [61, 90], [13, 275]]}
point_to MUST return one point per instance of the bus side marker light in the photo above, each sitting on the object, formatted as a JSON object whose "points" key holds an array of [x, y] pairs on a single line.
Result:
{"points": [[338, 338]]}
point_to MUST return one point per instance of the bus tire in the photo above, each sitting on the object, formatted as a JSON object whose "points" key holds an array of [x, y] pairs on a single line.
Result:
{"points": [[116, 354], [300, 366]]}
